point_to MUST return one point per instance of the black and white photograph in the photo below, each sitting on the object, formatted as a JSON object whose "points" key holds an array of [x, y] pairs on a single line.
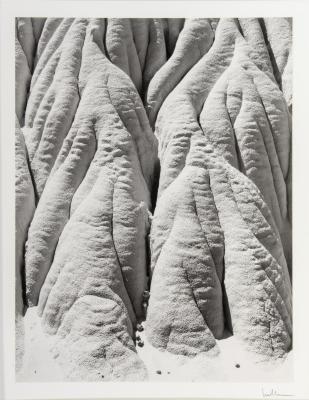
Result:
{"points": [[153, 199]]}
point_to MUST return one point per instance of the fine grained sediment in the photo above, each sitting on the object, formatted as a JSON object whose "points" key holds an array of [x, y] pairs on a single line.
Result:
{"points": [[153, 155]]}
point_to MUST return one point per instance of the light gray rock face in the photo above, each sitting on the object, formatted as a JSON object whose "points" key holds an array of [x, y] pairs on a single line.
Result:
{"points": [[193, 42], [153, 155], [230, 104], [256, 286], [84, 299], [186, 304]]}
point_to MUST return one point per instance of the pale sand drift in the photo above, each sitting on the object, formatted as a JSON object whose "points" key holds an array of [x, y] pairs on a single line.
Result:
{"points": [[153, 199]]}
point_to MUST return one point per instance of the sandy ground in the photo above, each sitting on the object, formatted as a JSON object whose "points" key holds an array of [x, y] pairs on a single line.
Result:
{"points": [[233, 363]]}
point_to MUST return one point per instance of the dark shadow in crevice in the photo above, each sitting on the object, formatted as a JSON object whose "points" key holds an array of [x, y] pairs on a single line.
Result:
{"points": [[35, 191], [240, 162], [148, 260], [104, 39], [22, 273], [228, 326], [276, 71], [239, 27], [169, 44], [154, 197], [155, 185]]}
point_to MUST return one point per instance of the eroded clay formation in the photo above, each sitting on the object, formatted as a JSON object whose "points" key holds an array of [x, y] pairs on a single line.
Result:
{"points": [[153, 155]]}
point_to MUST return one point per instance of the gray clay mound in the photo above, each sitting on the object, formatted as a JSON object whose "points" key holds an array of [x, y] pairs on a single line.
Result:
{"points": [[153, 189]]}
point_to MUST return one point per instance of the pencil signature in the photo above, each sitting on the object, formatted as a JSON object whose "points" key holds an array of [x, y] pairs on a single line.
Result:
{"points": [[272, 392]]}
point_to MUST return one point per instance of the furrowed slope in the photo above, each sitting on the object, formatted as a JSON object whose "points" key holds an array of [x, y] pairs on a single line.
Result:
{"points": [[153, 155]]}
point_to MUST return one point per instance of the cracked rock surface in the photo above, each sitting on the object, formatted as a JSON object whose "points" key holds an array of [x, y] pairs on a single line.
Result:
{"points": [[153, 191]]}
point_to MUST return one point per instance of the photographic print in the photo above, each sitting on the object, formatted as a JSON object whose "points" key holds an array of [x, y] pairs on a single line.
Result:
{"points": [[153, 199]]}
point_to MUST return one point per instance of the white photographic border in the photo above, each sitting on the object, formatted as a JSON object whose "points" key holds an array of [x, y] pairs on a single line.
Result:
{"points": [[299, 388]]}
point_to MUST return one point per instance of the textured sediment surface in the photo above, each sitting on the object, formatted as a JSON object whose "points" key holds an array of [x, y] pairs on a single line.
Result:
{"points": [[153, 191]]}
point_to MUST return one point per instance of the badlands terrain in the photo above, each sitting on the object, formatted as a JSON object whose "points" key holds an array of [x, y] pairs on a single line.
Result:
{"points": [[153, 199]]}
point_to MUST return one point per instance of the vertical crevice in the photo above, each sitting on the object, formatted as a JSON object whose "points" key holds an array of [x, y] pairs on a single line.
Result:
{"points": [[155, 185], [276, 71], [228, 325]]}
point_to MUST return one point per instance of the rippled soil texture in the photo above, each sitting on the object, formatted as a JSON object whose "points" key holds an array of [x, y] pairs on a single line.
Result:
{"points": [[153, 191]]}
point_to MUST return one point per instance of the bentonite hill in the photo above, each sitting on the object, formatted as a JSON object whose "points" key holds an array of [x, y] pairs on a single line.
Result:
{"points": [[153, 190]]}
